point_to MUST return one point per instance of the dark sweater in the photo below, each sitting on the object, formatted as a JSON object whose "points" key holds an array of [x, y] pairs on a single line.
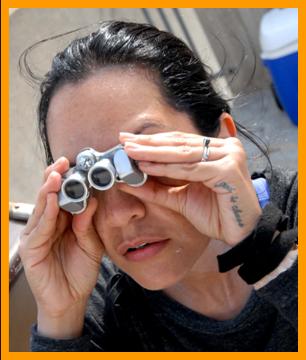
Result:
{"points": [[122, 316]]}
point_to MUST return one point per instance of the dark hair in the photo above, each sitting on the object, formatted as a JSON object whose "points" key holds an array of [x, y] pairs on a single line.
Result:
{"points": [[184, 81]]}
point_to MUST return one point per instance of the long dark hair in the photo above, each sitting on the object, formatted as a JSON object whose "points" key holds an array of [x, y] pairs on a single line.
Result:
{"points": [[184, 81]]}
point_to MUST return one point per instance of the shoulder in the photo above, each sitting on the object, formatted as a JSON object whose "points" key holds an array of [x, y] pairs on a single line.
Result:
{"points": [[283, 184]]}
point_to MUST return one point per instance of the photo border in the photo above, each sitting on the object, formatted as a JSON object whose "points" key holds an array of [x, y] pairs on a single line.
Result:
{"points": [[5, 6]]}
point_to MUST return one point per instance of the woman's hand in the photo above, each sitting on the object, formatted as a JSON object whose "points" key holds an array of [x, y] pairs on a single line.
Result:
{"points": [[217, 196], [61, 255]]}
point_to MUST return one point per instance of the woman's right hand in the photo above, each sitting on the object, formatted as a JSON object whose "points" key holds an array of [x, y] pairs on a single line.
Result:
{"points": [[61, 255]]}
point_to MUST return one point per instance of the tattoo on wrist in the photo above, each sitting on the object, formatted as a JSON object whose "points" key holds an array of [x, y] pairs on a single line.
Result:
{"points": [[234, 200], [224, 185], [237, 212]]}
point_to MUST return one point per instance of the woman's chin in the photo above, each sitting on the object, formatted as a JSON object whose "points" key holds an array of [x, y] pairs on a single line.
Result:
{"points": [[157, 283]]}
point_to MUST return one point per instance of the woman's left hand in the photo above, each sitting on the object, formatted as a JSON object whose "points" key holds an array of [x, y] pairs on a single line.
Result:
{"points": [[216, 196]]}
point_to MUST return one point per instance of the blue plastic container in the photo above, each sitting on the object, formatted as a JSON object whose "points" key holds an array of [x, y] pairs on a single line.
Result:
{"points": [[279, 42]]}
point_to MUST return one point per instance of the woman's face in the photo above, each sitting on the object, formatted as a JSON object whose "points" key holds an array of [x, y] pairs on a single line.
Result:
{"points": [[91, 113]]}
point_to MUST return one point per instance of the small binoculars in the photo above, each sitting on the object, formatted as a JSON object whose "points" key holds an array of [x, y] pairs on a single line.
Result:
{"points": [[99, 171]]}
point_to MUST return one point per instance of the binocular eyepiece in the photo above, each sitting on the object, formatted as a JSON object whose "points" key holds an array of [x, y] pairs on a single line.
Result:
{"points": [[97, 170]]}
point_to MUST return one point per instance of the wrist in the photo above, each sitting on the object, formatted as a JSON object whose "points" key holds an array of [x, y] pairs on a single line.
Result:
{"points": [[263, 250], [67, 325]]}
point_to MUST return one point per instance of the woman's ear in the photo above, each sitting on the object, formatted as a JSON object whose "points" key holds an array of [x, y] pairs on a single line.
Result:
{"points": [[227, 126]]}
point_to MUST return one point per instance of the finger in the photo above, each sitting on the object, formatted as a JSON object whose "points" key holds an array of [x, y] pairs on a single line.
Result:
{"points": [[46, 227], [61, 165], [152, 191], [222, 176], [52, 185], [172, 154], [83, 227], [207, 172], [174, 138]]}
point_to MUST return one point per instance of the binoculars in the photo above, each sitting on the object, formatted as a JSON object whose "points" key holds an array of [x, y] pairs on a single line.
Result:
{"points": [[99, 171]]}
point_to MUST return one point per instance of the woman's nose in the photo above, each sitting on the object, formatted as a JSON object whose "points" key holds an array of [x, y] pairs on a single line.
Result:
{"points": [[119, 208]]}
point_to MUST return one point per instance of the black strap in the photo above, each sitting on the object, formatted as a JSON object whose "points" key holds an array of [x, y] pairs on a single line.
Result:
{"points": [[255, 268], [263, 250]]}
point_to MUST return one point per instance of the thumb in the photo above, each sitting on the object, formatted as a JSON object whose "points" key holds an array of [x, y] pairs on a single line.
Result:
{"points": [[85, 232]]}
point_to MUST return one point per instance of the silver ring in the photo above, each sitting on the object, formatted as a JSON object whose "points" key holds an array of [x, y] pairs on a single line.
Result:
{"points": [[206, 150]]}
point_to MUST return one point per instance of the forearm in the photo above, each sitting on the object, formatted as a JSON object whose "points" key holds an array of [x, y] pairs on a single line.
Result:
{"points": [[64, 334], [40, 343], [66, 326], [71, 333]]}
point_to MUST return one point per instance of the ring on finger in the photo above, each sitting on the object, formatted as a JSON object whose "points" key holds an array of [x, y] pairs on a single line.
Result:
{"points": [[206, 150]]}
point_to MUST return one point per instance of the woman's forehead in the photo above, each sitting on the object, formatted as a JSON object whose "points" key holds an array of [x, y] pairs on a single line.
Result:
{"points": [[94, 111], [111, 93]]}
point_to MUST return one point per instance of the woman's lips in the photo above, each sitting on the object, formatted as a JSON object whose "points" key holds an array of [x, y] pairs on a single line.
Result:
{"points": [[152, 247], [147, 251]]}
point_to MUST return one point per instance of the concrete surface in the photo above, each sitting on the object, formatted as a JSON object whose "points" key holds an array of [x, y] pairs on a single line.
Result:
{"points": [[259, 113]]}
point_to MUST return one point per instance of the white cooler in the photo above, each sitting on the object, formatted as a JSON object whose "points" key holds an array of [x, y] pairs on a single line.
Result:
{"points": [[279, 44]]}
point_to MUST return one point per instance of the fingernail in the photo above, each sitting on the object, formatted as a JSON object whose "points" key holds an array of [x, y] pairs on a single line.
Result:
{"points": [[53, 174], [62, 159], [127, 135], [58, 161], [131, 145]]}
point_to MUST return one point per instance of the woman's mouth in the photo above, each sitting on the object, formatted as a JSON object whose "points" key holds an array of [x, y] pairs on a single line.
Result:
{"points": [[144, 250]]}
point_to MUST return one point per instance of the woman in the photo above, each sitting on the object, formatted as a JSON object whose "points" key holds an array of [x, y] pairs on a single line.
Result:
{"points": [[191, 261]]}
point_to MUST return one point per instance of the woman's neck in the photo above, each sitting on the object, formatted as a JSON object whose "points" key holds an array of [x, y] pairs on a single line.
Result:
{"points": [[204, 289]]}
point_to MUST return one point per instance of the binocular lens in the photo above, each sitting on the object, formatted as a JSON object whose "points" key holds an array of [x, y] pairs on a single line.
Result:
{"points": [[74, 189], [101, 177]]}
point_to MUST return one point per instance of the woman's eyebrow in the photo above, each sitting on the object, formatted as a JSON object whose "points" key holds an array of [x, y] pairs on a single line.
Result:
{"points": [[149, 124], [141, 128]]}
